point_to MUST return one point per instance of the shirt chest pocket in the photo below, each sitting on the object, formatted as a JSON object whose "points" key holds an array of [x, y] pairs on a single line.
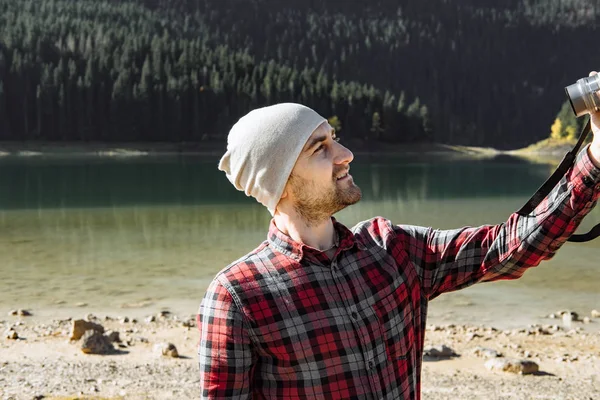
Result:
{"points": [[395, 317]]}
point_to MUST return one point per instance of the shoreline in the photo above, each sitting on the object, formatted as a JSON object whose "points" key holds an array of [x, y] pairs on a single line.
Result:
{"points": [[43, 362], [100, 149]]}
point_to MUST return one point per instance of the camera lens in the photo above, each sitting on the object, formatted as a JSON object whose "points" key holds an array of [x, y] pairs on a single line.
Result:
{"points": [[583, 95]]}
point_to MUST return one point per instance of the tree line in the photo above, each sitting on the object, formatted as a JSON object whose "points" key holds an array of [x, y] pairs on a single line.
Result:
{"points": [[462, 72], [122, 71]]}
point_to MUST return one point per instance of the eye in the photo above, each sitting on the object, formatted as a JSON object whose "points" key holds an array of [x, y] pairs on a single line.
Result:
{"points": [[321, 147]]}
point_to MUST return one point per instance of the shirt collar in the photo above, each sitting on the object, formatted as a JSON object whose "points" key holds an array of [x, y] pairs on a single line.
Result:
{"points": [[286, 245]]}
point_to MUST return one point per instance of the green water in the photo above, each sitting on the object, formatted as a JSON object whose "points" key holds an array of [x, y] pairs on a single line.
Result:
{"points": [[135, 235]]}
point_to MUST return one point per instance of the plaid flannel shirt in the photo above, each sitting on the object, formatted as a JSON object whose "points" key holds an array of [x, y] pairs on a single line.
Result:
{"points": [[287, 322]]}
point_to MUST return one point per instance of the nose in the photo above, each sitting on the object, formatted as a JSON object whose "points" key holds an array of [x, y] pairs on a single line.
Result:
{"points": [[343, 155]]}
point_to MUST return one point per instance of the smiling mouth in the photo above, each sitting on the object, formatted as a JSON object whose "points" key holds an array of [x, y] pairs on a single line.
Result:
{"points": [[343, 176]]}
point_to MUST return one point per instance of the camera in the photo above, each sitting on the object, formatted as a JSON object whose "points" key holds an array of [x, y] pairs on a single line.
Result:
{"points": [[583, 95]]}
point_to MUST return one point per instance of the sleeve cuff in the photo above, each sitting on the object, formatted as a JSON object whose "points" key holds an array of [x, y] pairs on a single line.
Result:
{"points": [[585, 175]]}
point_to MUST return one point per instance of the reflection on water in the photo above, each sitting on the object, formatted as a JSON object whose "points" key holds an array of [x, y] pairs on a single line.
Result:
{"points": [[154, 231]]}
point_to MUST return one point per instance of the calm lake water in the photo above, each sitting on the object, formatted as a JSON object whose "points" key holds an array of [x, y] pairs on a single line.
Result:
{"points": [[133, 235]]}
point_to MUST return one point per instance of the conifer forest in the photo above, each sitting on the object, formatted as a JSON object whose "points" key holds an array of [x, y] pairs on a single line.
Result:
{"points": [[482, 73]]}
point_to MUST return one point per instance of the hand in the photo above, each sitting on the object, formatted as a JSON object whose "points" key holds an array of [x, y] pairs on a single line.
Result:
{"points": [[594, 149]]}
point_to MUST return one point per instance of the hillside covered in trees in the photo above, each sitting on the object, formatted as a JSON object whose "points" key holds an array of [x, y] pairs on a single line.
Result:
{"points": [[484, 72]]}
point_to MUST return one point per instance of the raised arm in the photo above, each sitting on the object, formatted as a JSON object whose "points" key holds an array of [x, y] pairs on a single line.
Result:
{"points": [[448, 260], [225, 351]]}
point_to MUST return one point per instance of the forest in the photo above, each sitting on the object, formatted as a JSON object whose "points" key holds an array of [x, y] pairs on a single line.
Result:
{"points": [[484, 73]]}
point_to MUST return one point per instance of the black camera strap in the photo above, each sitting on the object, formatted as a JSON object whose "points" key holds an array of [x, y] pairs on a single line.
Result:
{"points": [[547, 187]]}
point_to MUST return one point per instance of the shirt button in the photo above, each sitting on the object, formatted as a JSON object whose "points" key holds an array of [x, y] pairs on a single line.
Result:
{"points": [[371, 364], [354, 315]]}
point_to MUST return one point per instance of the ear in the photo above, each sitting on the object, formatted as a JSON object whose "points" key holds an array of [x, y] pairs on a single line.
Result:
{"points": [[285, 192]]}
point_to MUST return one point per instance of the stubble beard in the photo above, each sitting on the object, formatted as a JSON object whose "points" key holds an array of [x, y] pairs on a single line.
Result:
{"points": [[315, 206]]}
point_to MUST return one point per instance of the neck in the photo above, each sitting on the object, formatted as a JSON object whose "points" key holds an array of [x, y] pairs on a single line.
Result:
{"points": [[319, 235]]}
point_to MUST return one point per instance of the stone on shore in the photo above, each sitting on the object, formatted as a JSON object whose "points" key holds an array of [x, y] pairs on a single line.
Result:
{"points": [[166, 349], [595, 314], [11, 334], [189, 323], [441, 351], [80, 326], [113, 336], [94, 342], [573, 314], [521, 367], [20, 312], [486, 352], [567, 319]]}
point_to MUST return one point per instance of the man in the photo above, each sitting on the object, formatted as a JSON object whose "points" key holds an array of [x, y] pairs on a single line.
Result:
{"points": [[320, 311]]}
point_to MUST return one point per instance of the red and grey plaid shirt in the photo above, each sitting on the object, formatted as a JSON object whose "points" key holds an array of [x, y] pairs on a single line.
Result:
{"points": [[286, 322]]}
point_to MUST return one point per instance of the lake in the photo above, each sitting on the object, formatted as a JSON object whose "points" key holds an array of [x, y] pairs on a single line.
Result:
{"points": [[140, 234]]}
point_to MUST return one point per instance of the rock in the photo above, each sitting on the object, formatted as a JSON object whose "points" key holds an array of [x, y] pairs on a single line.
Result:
{"points": [[472, 336], [80, 326], [595, 314], [486, 352], [567, 319], [574, 315], [94, 342], [551, 329], [123, 320], [521, 367], [166, 349], [113, 336], [586, 320], [442, 351], [164, 314], [20, 312], [150, 319], [81, 304], [11, 334], [190, 323]]}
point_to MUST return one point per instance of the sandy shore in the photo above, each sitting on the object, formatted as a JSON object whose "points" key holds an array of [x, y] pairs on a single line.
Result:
{"points": [[43, 363]]}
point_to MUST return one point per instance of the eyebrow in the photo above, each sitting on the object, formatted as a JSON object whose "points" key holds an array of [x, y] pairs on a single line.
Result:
{"points": [[315, 141], [319, 139]]}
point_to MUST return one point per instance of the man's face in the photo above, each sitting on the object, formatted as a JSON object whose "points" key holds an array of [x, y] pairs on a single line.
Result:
{"points": [[320, 184]]}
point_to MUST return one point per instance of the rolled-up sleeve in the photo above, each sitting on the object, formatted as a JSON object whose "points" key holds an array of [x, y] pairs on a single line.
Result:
{"points": [[448, 260], [225, 351]]}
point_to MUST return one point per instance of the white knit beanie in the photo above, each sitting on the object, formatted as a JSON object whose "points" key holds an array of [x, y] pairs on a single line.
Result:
{"points": [[262, 149]]}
